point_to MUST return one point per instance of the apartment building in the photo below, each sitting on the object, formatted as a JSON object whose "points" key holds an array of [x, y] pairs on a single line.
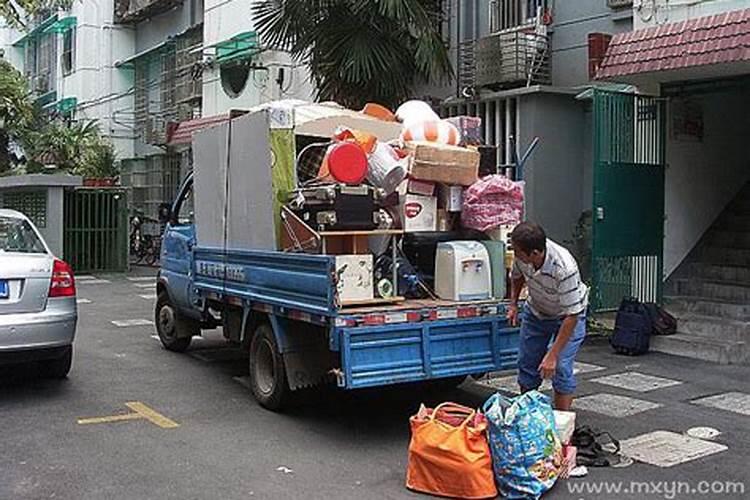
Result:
{"points": [[152, 72]]}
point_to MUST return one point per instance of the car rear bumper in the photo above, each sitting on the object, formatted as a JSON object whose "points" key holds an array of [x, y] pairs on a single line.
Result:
{"points": [[47, 330]]}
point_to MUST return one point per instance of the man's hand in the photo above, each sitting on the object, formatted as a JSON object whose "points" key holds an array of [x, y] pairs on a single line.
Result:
{"points": [[512, 314], [548, 365]]}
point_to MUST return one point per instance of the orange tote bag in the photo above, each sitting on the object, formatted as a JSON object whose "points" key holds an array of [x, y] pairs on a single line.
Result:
{"points": [[449, 454]]}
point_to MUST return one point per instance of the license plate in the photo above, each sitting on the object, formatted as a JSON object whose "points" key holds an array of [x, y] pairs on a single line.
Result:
{"points": [[4, 289]]}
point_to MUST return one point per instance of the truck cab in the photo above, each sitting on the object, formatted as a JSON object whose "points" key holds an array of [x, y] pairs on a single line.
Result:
{"points": [[177, 316]]}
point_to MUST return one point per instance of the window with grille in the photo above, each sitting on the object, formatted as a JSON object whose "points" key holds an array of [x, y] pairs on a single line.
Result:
{"points": [[68, 51], [508, 14], [33, 204]]}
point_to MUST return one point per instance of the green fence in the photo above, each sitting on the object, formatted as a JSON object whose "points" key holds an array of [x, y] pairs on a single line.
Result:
{"points": [[628, 211], [95, 236]]}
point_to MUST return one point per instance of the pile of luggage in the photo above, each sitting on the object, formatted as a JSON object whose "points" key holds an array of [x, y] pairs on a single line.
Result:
{"points": [[424, 213]]}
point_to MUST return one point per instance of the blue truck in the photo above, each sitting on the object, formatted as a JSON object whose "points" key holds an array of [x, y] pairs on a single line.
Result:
{"points": [[282, 307]]}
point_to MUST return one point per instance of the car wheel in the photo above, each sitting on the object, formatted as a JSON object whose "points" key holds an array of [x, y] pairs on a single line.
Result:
{"points": [[59, 367], [267, 371], [175, 332]]}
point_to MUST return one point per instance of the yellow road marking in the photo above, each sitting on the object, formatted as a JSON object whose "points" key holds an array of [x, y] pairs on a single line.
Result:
{"points": [[113, 418], [151, 415], [141, 412]]}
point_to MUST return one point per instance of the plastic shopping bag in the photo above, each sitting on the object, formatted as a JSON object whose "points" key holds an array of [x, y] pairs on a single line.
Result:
{"points": [[526, 450], [449, 454]]}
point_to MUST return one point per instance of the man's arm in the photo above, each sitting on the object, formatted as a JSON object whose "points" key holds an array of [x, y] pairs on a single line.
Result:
{"points": [[572, 302], [549, 362], [516, 285]]}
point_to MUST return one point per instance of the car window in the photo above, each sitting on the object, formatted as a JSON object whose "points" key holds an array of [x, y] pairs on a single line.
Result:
{"points": [[185, 212], [17, 235]]}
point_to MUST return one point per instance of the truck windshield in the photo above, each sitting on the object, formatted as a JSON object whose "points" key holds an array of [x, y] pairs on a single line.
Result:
{"points": [[17, 235]]}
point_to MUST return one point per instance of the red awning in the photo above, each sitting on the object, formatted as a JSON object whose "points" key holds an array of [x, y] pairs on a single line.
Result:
{"points": [[721, 38], [182, 133]]}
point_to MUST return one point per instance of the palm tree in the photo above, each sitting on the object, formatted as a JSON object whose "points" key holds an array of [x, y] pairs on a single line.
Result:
{"points": [[359, 51]]}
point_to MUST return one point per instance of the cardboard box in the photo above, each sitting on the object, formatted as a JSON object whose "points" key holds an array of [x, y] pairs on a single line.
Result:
{"points": [[354, 278], [418, 213], [444, 164], [423, 188]]}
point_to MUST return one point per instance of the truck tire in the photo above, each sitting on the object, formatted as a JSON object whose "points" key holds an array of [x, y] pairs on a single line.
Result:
{"points": [[59, 368], [175, 331], [267, 371]]}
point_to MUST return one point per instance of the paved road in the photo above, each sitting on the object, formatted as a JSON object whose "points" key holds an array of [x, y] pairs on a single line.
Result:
{"points": [[338, 446]]}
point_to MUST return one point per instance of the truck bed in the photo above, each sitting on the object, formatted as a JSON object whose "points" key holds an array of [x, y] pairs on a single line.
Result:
{"points": [[300, 282], [379, 344]]}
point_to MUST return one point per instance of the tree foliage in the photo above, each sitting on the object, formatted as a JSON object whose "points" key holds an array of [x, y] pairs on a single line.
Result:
{"points": [[16, 111], [77, 148], [17, 12], [359, 50]]}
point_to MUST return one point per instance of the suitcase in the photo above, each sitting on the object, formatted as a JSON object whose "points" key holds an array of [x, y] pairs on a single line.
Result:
{"points": [[337, 207], [633, 327]]}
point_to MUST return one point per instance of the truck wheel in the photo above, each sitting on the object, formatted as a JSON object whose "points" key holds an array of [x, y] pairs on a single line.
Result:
{"points": [[267, 372], [175, 332], [59, 367]]}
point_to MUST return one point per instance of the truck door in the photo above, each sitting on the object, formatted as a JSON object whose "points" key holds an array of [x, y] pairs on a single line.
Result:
{"points": [[177, 255]]}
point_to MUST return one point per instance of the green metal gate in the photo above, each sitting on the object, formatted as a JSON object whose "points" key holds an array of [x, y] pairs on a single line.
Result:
{"points": [[628, 227], [95, 236]]}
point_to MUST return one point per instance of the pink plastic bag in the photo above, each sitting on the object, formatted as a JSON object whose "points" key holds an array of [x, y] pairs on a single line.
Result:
{"points": [[491, 202]]}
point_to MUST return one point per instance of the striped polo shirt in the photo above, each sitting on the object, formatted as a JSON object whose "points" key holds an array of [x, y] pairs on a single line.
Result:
{"points": [[555, 289]]}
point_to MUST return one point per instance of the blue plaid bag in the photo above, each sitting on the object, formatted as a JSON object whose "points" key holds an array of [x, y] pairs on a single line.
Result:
{"points": [[526, 450]]}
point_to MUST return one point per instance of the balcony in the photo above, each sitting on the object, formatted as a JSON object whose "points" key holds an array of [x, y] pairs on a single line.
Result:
{"points": [[133, 11], [512, 58]]}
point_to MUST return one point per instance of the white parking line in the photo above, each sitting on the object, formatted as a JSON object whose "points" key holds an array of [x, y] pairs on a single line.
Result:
{"points": [[150, 296], [736, 402], [636, 381], [122, 323], [141, 278], [613, 405], [95, 281], [665, 449], [83, 301], [145, 285]]}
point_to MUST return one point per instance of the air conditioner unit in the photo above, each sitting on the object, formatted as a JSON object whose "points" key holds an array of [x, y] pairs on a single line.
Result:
{"points": [[155, 130], [513, 57]]}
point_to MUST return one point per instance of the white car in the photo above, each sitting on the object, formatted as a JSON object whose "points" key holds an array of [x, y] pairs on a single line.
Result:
{"points": [[38, 311]]}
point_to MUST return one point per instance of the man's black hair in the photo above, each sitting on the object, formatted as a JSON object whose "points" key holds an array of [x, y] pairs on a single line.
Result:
{"points": [[528, 237]]}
